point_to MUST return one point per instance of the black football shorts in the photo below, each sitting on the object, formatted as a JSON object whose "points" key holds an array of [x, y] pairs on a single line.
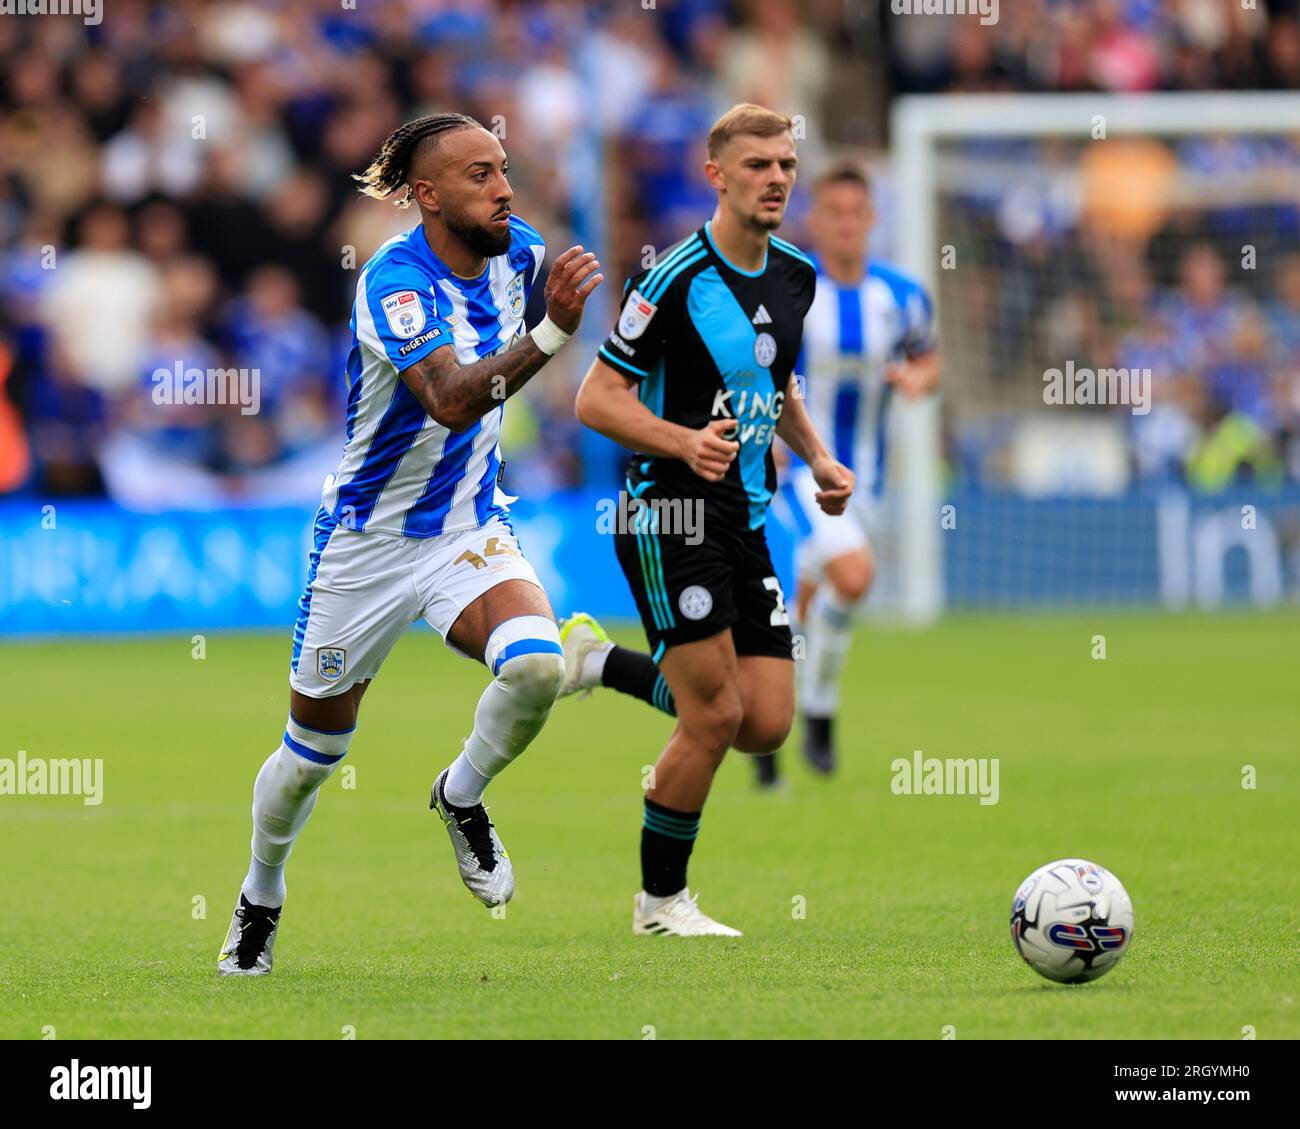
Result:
{"points": [[688, 591]]}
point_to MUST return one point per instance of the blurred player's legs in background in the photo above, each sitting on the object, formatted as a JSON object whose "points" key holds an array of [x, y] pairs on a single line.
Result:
{"points": [[827, 611], [835, 565]]}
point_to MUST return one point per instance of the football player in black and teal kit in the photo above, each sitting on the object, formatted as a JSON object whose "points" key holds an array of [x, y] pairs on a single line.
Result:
{"points": [[698, 377]]}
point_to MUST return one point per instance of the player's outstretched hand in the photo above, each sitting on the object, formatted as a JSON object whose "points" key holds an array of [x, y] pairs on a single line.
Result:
{"points": [[915, 378], [835, 482], [709, 453], [571, 282]]}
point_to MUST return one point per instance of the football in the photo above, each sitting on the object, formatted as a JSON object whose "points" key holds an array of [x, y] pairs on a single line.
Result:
{"points": [[1072, 920]]}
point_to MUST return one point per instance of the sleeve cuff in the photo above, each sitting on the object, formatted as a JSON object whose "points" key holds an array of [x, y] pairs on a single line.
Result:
{"points": [[631, 370], [417, 355]]}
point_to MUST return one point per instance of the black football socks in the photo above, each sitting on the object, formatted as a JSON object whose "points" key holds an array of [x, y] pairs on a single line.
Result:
{"points": [[634, 672], [667, 837]]}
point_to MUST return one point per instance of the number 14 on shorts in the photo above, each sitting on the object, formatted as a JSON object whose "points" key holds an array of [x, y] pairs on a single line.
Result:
{"points": [[493, 547]]}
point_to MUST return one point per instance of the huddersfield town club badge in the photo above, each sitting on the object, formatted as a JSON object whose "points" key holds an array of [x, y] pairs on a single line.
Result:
{"points": [[515, 296], [330, 662]]}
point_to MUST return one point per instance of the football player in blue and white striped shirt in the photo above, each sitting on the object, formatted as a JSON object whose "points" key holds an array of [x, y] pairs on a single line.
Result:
{"points": [[869, 333], [413, 524]]}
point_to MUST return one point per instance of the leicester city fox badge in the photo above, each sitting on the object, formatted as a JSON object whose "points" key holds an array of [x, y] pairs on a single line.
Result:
{"points": [[695, 602], [331, 662], [636, 315]]}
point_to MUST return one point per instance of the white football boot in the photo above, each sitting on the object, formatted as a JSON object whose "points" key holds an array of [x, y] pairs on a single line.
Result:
{"points": [[679, 917], [484, 865], [247, 951], [580, 634]]}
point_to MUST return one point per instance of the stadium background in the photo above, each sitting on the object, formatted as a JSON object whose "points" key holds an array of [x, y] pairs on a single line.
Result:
{"points": [[175, 190], [127, 243]]}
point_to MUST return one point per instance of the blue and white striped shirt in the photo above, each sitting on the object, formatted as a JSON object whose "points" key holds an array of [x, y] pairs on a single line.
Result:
{"points": [[402, 473], [850, 335]]}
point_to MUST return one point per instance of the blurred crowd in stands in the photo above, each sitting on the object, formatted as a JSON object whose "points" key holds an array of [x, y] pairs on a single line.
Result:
{"points": [[1123, 46], [1175, 257], [176, 191]]}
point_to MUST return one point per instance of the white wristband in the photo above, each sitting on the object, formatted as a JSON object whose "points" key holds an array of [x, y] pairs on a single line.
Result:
{"points": [[549, 337]]}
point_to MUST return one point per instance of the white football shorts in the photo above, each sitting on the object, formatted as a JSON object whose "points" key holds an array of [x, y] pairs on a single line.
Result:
{"points": [[822, 537], [365, 589]]}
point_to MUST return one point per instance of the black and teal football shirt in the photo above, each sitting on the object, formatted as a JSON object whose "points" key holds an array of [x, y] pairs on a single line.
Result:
{"points": [[706, 340]]}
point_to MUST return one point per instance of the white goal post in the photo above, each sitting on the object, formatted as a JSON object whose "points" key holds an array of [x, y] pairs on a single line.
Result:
{"points": [[919, 126]]}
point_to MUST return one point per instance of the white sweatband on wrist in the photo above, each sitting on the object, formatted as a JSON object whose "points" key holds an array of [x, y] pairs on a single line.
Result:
{"points": [[548, 336]]}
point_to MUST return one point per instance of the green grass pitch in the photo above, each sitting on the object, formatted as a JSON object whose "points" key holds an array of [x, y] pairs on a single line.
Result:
{"points": [[1135, 761]]}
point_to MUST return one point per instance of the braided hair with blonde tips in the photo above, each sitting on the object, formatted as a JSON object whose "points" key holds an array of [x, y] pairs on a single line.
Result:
{"points": [[388, 171]]}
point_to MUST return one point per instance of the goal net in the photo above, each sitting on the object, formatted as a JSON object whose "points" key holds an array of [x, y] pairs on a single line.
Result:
{"points": [[1117, 283]]}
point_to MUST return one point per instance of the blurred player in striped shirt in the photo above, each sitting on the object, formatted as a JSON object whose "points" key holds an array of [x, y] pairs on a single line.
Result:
{"points": [[868, 335]]}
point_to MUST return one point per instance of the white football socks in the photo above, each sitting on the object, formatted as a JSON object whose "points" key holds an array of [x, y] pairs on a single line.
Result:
{"points": [[593, 666], [652, 902], [828, 633], [527, 663], [284, 795], [465, 785]]}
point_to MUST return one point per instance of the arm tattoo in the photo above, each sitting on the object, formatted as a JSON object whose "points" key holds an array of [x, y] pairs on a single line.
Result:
{"points": [[458, 395]]}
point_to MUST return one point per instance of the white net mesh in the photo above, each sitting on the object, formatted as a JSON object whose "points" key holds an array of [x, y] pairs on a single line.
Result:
{"points": [[1121, 329]]}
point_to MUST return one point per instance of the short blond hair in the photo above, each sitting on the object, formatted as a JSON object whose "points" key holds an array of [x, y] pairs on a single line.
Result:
{"points": [[746, 118]]}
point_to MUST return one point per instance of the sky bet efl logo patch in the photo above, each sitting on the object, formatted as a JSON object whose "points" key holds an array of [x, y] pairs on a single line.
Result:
{"points": [[404, 312], [635, 317]]}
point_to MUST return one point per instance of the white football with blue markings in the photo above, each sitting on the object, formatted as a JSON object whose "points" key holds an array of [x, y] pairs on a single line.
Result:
{"points": [[1072, 920]]}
